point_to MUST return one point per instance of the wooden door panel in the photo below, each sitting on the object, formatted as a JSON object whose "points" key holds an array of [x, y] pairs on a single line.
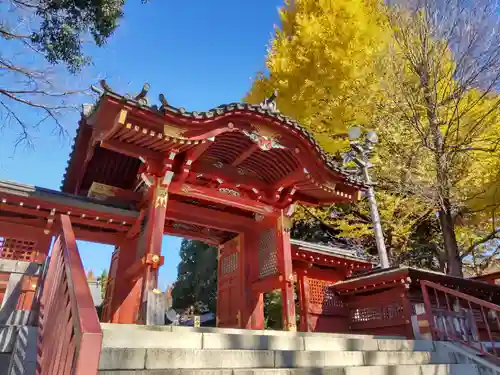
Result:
{"points": [[230, 293]]}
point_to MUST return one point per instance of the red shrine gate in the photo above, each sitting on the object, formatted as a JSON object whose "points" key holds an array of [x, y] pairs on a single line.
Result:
{"points": [[228, 177]]}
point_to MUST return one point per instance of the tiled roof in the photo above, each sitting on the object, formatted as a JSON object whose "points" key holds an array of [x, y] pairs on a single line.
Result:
{"points": [[30, 191], [349, 253], [266, 108]]}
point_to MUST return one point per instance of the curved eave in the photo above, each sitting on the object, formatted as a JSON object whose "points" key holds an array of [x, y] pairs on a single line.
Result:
{"points": [[321, 165], [316, 251], [412, 276]]}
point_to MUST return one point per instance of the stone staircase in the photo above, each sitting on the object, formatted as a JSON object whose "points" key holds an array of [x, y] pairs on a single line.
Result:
{"points": [[18, 351], [152, 350]]}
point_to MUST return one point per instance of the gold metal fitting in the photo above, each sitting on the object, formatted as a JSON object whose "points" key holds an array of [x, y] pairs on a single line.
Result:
{"points": [[155, 258]]}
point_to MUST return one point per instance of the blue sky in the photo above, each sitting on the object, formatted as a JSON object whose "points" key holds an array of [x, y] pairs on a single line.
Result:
{"points": [[199, 54]]}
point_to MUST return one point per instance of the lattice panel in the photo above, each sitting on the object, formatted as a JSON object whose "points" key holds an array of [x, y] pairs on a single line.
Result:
{"points": [[13, 248], [268, 256], [321, 296], [368, 314], [229, 263]]}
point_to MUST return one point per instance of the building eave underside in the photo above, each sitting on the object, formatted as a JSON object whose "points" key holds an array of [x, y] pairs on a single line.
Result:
{"points": [[415, 276], [57, 197], [223, 110], [337, 252]]}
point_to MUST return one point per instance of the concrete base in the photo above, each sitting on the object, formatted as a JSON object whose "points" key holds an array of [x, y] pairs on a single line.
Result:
{"points": [[152, 350], [371, 370]]}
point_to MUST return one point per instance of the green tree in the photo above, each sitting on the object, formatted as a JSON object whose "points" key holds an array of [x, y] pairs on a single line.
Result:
{"points": [[196, 283], [38, 38], [103, 281], [272, 310], [424, 74]]}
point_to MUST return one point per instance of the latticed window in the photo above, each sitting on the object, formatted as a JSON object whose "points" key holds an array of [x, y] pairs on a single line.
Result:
{"points": [[229, 263], [268, 257], [322, 297], [367, 314], [13, 248]]}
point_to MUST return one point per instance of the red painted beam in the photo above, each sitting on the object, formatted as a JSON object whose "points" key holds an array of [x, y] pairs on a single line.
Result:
{"points": [[229, 176], [206, 217], [266, 285], [30, 203], [212, 195], [99, 224], [191, 235], [190, 158], [8, 229], [130, 150], [98, 237], [35, 223]]}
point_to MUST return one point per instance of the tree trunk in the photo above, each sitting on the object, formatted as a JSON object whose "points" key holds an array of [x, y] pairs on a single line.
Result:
{"points": [[442, 181], [450, 243]]}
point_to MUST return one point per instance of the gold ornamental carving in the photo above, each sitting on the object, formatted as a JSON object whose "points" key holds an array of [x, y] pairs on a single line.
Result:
{"points": [[172, 131], [264, 131], [101, 191], [161, 197]]}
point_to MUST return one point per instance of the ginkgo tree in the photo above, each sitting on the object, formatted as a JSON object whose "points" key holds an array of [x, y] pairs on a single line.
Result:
{"points": [[324, 62], [444, 75], [423, 75]]}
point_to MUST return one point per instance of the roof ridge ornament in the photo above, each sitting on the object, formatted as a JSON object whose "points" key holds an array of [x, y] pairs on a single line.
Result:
{"points": [[163, 101], [104, 88], [143, 93], [270, 102], [141, 98]]}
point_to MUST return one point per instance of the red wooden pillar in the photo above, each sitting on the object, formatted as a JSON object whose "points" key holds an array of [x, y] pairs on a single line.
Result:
{"points": [[303, 282], [253, 318], [43, 247], [151, 240], [123, 300], [285, 267]]}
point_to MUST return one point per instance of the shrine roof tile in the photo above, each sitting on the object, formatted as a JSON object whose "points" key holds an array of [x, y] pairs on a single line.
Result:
{"points": [[413, 276], [141, 101], [57, 197], [329, 250]]}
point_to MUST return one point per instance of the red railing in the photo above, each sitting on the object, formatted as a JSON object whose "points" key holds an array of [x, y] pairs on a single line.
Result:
{"points": [[455, 316], [70, 335]]}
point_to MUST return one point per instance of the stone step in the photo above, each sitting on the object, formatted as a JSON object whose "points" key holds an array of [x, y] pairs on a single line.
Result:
{"points": [[364, 370], [117, 337], [154, 358], [107, 326], [4, 362], [8, 335]]}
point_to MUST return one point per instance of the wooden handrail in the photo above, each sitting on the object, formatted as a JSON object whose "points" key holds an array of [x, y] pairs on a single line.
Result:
{"points": [[459, 320], [69, 329], [461, 295]]}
